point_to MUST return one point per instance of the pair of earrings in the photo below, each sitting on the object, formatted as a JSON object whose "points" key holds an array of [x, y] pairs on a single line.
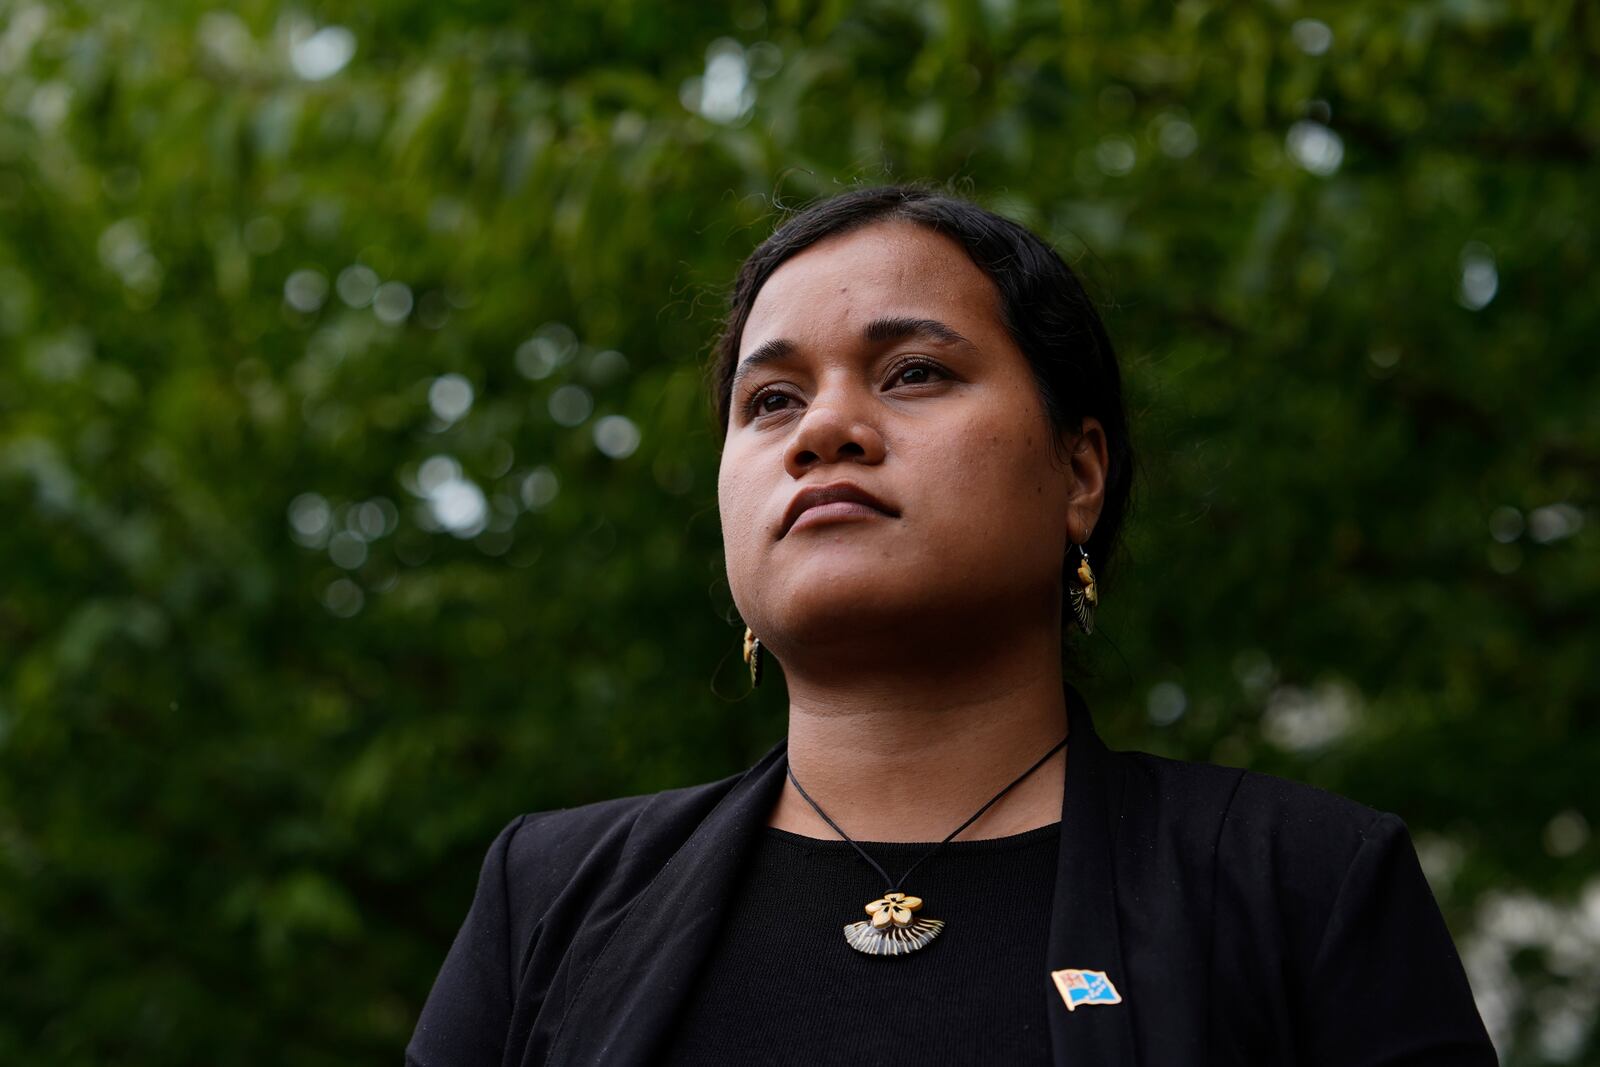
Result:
{"points": [[1082, 597]]}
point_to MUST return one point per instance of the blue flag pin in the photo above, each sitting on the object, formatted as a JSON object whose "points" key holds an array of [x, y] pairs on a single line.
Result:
{"points": [[1085, 987]]}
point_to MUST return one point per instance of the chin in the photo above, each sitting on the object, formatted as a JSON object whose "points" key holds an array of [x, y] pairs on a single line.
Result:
{"points": [[852, 599]]}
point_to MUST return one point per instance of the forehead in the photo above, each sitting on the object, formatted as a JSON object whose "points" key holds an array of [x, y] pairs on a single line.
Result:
{"points": [[886, 268]]}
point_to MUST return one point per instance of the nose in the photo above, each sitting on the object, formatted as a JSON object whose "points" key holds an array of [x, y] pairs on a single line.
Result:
{"points": [[832, 431]]}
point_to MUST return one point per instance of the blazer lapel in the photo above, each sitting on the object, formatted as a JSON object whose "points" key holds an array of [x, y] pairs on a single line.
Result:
{"points": [[1084, 932], [632, 993]]}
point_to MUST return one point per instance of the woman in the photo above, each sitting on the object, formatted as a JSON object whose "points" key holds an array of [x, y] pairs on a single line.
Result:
{"points": [[925, 458]]}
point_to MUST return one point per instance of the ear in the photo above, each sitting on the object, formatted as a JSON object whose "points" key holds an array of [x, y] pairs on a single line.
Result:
{"points": [[1087, 466]]}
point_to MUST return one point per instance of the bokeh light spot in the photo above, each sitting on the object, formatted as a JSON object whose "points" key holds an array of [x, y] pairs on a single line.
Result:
{"points": [[1566, 833], [357, 285], [460, 507], [616, 436], [450, 397], [1116, 156], [305, 290], [1311, 36], [322, 54], [1505, 524], [1302, 720], [723, 93], [309, 519], [1176, 137], [372, 519], [1554, 522], [1166, 703], [1315, 147], [347, 550], [343, 598], [436, 471], [1480, 279], [570, 405], [453, 502], [606, 366], [391, 303], [551, 346], [539, 488]]}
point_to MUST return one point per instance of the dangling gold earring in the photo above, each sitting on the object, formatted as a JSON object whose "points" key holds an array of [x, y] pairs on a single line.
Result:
{"points": [[1084, 596], [752, 655]]}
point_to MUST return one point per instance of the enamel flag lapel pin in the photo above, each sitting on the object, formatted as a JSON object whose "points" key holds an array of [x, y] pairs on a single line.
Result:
{"points": [[1085, 987]]}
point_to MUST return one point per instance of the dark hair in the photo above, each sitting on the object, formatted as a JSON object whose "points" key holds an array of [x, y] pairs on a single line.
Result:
{"points": [[1042, 305]]}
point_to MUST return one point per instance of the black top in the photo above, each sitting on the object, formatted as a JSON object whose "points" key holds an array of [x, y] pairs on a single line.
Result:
{"points": [[1242, 919], [781, 985]]}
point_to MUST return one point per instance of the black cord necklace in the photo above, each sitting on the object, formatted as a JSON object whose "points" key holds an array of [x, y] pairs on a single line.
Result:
{"points": [[892, 930]]}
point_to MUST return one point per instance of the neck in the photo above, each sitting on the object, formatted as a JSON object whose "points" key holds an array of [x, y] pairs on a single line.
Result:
{"points": [[908, 753]]}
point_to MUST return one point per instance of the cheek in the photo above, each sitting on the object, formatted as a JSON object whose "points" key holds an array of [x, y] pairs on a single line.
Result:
{"points": [[1000, 493], [737, 501]]}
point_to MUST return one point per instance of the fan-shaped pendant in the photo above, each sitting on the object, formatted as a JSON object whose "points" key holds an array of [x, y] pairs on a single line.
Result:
{"points": [[892, 930]]}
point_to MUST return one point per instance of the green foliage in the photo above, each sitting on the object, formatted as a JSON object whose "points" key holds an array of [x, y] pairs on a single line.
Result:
{"points": [[288, 629]]}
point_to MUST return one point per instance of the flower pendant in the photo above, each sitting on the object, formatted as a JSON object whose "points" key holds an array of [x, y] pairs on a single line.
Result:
{"points": [[892, 930]]}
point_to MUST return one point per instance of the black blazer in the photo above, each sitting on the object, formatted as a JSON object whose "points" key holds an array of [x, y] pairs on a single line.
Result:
{"points": [[1244, 919]]}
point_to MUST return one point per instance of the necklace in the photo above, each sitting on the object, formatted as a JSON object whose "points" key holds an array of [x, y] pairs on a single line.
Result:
{"points": [[892, 929]]}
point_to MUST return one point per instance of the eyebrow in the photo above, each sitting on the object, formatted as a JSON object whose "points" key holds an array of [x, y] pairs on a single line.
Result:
{"points": [[878, 331]]}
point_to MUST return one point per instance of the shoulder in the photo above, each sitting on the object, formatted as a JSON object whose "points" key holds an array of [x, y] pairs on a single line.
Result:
{"points": [[545, 876], [1271, 846], [543, 853], [1290, 862], [1316, 911], [1250, 804]]}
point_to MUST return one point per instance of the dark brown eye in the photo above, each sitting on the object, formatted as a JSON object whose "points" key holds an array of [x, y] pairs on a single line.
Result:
{"points": [[917, 373], [758, 404]]}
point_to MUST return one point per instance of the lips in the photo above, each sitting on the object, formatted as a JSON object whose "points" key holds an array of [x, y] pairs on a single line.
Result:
{"points": [[833, 493]]}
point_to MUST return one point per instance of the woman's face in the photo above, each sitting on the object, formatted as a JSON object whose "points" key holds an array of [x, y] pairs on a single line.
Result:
{"points": [[877, 359]]}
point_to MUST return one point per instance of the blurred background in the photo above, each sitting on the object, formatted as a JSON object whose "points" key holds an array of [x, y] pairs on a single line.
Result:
{"points": [[358, 478]]}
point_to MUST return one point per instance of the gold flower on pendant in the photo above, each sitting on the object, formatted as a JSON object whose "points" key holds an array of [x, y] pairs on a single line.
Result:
{"points": [[893, 908]]}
